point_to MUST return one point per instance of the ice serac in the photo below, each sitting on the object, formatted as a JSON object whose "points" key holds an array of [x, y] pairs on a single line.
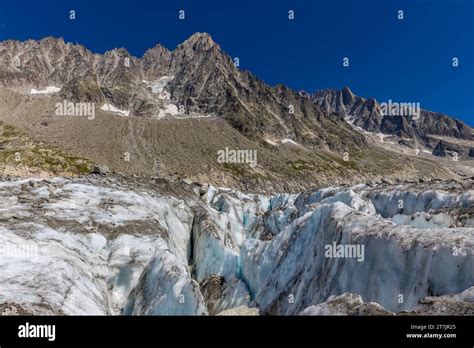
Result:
{"points": [[390, 202], [166, 288], [291, 271], [218, 233]]}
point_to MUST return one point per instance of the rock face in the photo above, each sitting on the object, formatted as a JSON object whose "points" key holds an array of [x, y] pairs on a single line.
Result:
{"points": [[367, 114], [346, 103], [98, 169], [350, 304], [440, 149], [346, 304], [457, 304], [113, 246]]}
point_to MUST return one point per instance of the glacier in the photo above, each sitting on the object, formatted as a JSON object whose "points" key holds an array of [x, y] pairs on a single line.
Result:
{"points": [[109, 246]]}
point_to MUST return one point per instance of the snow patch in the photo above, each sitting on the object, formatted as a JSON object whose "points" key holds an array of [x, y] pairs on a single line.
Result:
{"points": [[158, 87], [284, 141], [46, 90], [111, 108], [169, 110]]}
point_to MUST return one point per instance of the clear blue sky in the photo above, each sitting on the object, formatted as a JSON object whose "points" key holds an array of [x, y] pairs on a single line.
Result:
{"points": [[407, 60]]}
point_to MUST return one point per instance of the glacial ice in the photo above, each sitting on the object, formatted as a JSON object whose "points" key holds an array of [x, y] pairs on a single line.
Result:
{"points": [[106, 248], [399, 260], [81, 267], [387, 202], [165, 288]]}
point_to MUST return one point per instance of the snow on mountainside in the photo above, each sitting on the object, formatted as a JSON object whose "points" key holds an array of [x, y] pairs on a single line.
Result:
{"points": [[113, 109], [46, 90], [113, 247]]}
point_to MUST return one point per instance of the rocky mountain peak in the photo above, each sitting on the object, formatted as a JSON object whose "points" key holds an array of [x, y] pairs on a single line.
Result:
{"points": [[202, 41], [117, 52], [197, 51], [157, 51], [347, 96], [52, 40], [155, 62]]}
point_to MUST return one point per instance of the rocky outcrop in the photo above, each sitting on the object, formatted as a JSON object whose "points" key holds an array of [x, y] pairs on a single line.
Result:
{"points": [[346, 304]]}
